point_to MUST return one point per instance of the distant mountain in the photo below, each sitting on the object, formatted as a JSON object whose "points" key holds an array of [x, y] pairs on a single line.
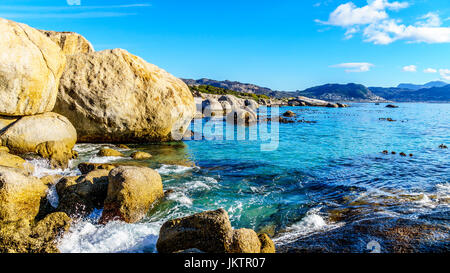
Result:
{"points": [[423, 86], [433, 91], [240, 87], [341, 92], [329, 92], [428, 94]]}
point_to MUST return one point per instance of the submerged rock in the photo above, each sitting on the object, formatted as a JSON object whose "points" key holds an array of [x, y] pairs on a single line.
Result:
{"points": [[69, 42], [391, 106], [109, 152], [28, 132], [208, 231], [112, 96], [289, 114], [140, 155], [20, 195], [123, 146], [30, 68], [131, 192]]}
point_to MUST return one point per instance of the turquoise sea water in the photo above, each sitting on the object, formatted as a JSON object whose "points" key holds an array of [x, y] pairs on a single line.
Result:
{"points": [[323, 182]]}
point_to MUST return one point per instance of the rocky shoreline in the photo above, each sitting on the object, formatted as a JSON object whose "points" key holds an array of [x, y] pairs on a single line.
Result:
{"points": [[56, 91]]}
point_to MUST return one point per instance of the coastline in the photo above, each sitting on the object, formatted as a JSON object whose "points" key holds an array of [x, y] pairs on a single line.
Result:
{"points": [[164, 177]]}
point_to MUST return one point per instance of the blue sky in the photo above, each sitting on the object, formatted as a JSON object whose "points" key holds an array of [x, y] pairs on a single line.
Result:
{"points": [[284, 45]]}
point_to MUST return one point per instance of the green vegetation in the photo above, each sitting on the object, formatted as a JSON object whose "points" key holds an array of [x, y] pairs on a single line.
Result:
{"points": [[208, 89]]}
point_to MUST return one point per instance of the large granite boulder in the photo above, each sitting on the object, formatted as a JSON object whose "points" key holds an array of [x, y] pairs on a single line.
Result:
{"points": [[211, 107], [208, 231], [211, 232], [20, 195], [30, 68], [69, 42], [57, 152], [113, 96], [23, 236], [131, 192], [28, 132]]}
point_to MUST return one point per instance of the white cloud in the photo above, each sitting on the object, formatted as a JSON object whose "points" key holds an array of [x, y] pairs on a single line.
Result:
{"points": [[445, 74], [389, 31], [349, 14], [378, 28], [354, 67], [430, 70], [430, 19], [410, 68]]}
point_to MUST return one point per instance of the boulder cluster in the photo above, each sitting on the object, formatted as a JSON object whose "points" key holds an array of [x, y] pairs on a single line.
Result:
{"points": [[233, 109], [211, 232], [304, 101], [55, 91]]}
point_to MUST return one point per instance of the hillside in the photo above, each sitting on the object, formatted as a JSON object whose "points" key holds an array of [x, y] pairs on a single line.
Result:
{"points": [[433, 91], [240, 87], [433, 94], [422, 86], [341, 92], [329, 92], [208, 89]]}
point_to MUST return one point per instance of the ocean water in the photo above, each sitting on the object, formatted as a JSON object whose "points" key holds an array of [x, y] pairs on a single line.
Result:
{"points": [[327, 187]]}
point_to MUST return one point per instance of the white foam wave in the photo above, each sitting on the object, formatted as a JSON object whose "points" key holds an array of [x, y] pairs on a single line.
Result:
{"points": [[52, 196], [443, 189], [181, 198], [42, 168], [171, 169], [87, 237], [312, 222], [104, 159]]}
